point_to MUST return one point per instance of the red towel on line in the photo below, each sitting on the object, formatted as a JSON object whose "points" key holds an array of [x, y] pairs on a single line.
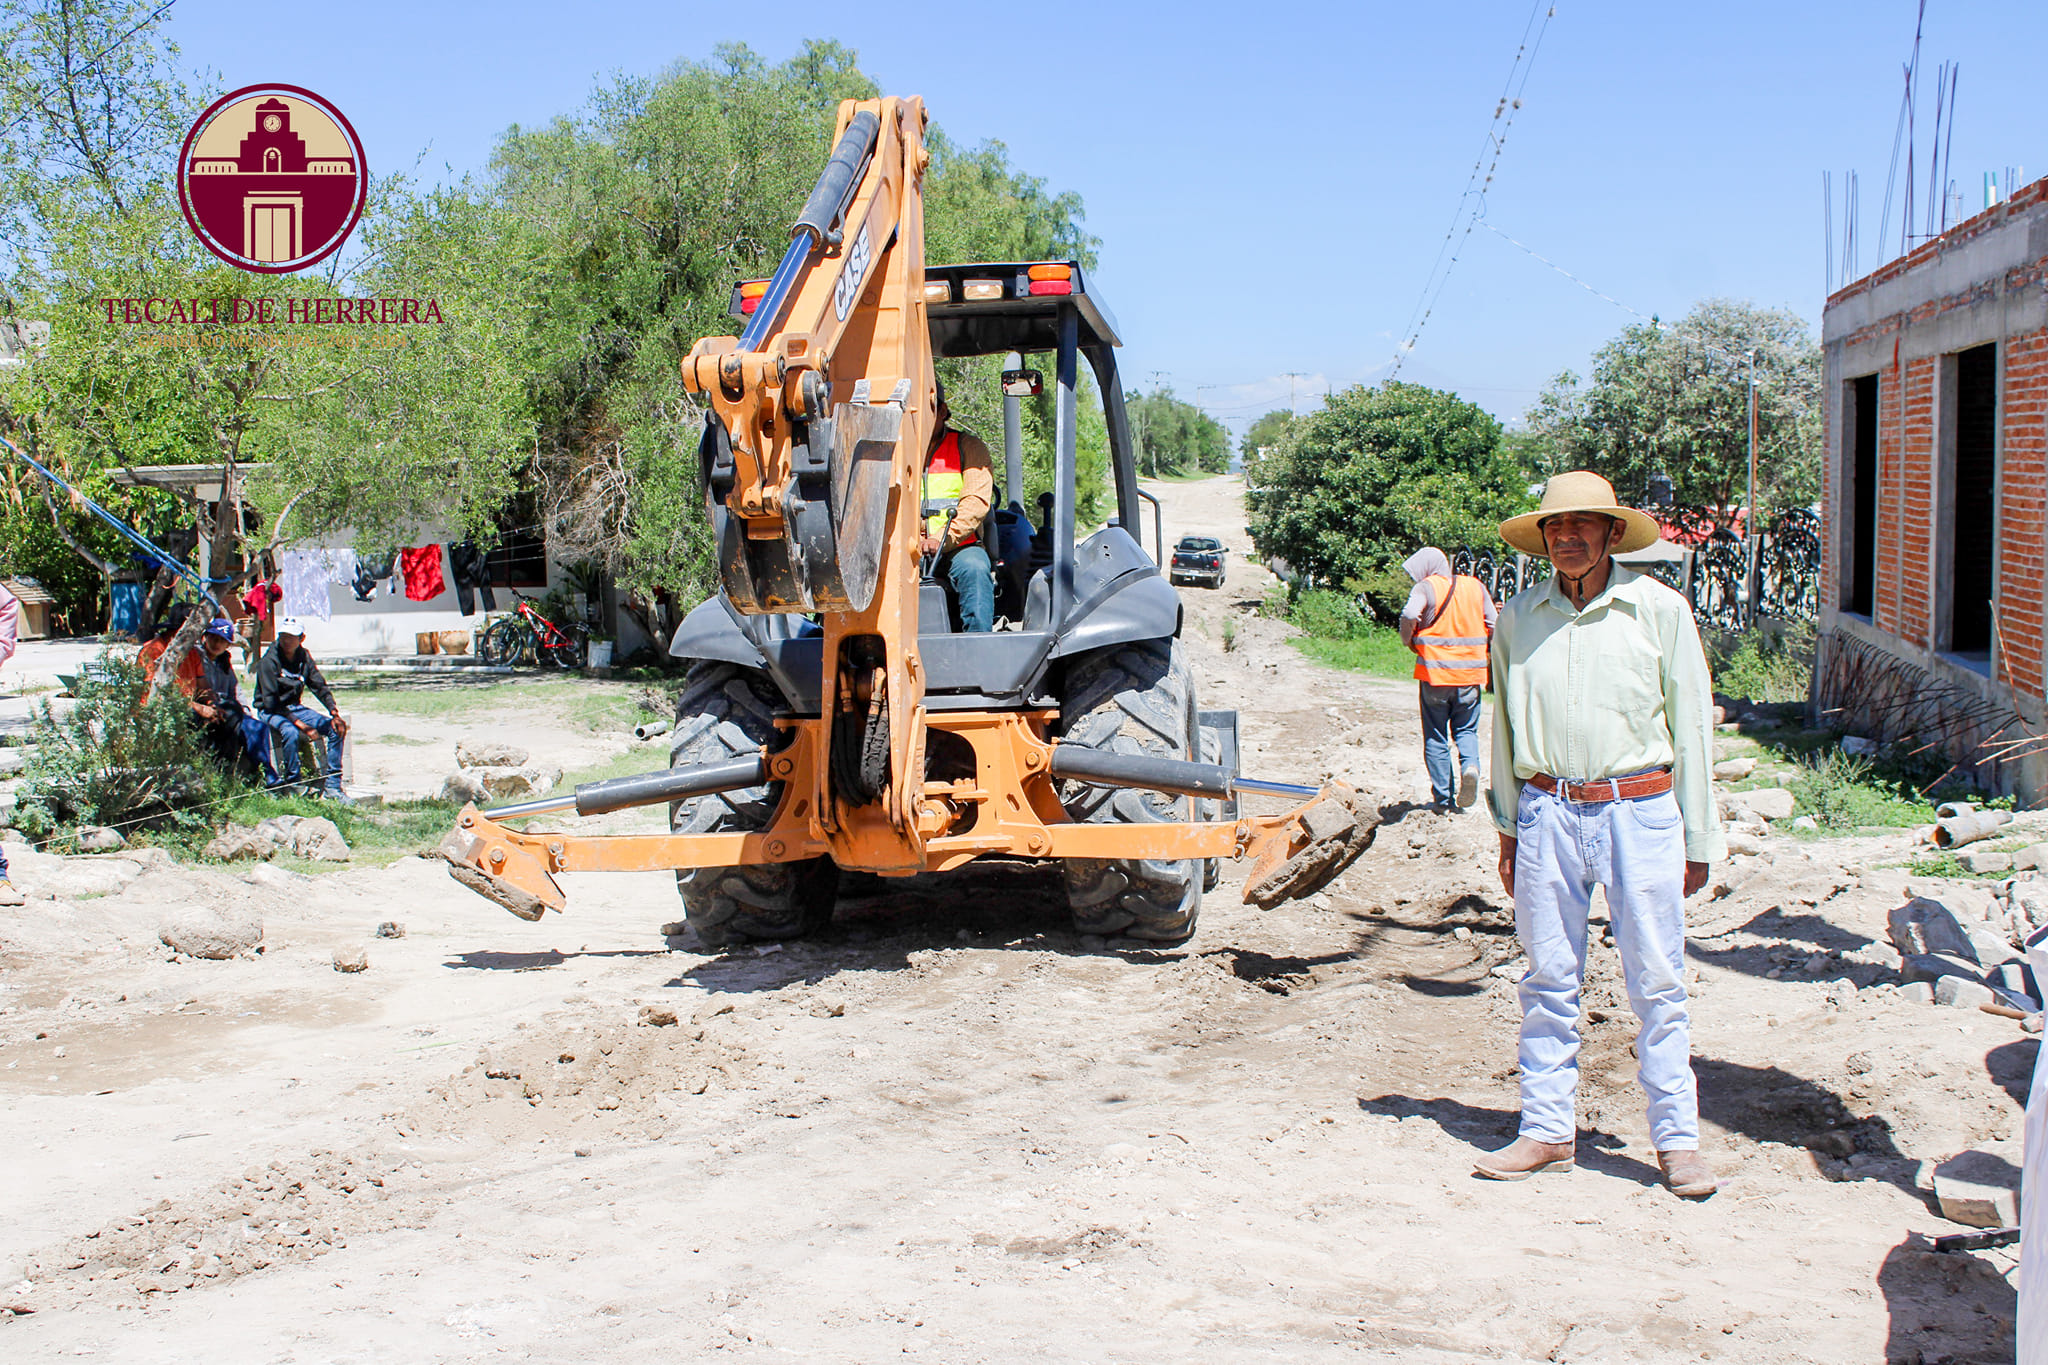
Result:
{"points": [[421, 569]]}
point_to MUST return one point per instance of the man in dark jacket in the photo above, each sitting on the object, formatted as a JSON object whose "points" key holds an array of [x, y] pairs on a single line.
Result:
{"points": [[230, 732], [283, 674]]}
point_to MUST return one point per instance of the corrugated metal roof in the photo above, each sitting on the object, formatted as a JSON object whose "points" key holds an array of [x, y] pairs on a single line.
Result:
{"points": [[28, 590]]}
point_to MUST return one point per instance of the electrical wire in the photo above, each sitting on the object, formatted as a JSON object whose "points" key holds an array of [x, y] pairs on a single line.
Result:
{"points": [[1472, 203]]}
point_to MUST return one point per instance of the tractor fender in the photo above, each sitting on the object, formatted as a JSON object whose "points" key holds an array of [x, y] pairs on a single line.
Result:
{"points": [[787, 647], [1119, 596]]}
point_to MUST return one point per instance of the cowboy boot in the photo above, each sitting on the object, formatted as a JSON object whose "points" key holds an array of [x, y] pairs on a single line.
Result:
{"points": [[1688, 1174], [1525, 1157]]}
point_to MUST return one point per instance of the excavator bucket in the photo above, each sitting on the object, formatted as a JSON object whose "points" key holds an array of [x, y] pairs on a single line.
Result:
{"points": [[835, 511], [1325, 837]]}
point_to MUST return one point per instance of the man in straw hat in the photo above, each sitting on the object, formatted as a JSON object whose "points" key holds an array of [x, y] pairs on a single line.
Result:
{"points": [[1602, 774]]}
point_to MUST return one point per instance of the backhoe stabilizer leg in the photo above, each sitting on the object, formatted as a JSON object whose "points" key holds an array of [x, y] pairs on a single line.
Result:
{"points": [[500, 871], [1308, 851]]}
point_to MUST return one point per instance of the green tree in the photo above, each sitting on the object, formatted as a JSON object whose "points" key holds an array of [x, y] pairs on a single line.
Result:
{"points": [[1675, 399], [1266, 434], [1355, 487], [1175, 437]]}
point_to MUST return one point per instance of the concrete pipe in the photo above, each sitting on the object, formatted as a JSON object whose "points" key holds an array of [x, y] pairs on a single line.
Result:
{"points": [[1968, 829]]}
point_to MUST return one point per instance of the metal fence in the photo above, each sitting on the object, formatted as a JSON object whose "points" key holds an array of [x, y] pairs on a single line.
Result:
{"points": [[1716, 576]]}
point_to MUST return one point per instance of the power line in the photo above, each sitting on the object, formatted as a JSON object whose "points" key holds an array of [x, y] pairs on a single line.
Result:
{"points": [[1472, 203]]}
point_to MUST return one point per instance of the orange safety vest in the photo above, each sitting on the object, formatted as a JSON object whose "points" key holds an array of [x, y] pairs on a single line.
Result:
{"points": [[944, 481], [1451, 650]]}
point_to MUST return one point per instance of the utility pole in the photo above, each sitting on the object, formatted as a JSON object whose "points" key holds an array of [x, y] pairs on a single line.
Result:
{"points": [[1292, 375]]}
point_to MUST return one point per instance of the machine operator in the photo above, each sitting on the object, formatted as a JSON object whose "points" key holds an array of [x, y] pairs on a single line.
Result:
{"points": [[958, 476]]}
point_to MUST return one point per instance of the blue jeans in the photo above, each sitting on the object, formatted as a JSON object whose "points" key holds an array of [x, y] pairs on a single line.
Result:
{"points": [[974, 586], [1636, 849], [326, 745], [1449, 714]]}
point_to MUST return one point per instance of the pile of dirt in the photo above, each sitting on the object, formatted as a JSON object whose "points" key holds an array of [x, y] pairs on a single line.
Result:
{"points": [[271, 1215], [555, 1076]]}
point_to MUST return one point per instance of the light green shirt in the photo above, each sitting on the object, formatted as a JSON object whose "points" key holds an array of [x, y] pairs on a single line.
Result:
{"points": [[1611, 690]]}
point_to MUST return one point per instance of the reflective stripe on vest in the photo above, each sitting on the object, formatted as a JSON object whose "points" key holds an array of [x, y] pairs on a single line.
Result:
{"points": [[1451, 650], [944, 481]]}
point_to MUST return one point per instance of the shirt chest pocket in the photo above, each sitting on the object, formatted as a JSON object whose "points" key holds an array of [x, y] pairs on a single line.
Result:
{"points": [[1626, 673]]}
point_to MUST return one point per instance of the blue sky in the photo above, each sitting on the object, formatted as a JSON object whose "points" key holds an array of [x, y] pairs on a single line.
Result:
{"points": [[1272, 183]]}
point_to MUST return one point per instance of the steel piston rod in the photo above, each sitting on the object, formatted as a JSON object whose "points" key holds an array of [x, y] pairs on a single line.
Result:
{"points": [[1172, 775], [644, 789]]}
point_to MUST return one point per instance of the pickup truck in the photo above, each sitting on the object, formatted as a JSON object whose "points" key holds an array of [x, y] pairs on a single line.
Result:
{"points": [[1197, 559]]}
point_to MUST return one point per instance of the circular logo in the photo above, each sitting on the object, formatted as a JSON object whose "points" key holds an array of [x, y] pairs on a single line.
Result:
{"points": [[272, 178]]}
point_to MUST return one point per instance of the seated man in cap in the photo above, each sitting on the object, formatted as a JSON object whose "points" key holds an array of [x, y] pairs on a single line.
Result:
{"points": [[1602, 775], [283, 674], [230, 731]]}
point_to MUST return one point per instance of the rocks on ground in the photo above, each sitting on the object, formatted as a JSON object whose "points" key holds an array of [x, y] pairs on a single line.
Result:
{"points": [[488, 753], [214, 932], [351, 960], [477, 785], [309, 837], [1981, 1187]]}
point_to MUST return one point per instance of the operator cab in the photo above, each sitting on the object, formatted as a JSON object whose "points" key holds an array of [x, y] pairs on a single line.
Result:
{"points": [[1055, 597]]}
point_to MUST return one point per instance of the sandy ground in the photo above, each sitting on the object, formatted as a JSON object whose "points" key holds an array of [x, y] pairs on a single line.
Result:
{"points": [[947, 1128]]}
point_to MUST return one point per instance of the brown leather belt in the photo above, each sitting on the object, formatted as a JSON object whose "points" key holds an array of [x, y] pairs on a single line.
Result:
{"points": [[1655, 782]]}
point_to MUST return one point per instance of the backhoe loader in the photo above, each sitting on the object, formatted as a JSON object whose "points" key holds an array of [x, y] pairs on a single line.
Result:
{"points": [[833, 716]]}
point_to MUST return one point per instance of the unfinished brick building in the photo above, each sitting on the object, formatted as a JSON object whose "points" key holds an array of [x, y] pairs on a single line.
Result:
{"points": [[1934, 569]]}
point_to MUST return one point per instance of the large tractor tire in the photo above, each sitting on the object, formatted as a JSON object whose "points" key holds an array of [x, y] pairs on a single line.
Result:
{"points": [[1132, 699], [728, 712]]}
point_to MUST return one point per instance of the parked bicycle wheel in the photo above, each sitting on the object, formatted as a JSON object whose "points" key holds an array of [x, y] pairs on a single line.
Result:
{"points": [[492, 646], [566, 654]]}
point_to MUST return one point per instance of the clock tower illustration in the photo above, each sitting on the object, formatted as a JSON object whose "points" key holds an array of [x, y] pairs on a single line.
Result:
{"points": [[272, 179]]}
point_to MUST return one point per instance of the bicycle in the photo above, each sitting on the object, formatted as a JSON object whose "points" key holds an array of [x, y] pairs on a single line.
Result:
{"points": [[527, 636]]}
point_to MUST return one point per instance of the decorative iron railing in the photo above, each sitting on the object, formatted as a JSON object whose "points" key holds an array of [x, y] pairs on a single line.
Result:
{"points": [[1712, 571]]}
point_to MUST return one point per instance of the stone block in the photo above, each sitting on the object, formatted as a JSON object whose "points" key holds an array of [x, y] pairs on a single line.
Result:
{"points": [[2015, 978], [1919, 992], [1769, 803], [2031, 857], [320, 841], [519, 784], [2030, 903], [1923, 925], [464, 788], [1734, 769], [1962, 992], [1980, 1188], [1983, 860], [216, 932], [488, 753], [100, 839]]}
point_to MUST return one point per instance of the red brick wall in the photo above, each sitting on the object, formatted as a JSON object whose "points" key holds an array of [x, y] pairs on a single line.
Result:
{"points": [[2023, 508], [1914, 620]]}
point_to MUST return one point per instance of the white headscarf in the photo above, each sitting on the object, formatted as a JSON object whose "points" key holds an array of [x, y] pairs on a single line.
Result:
{"points": [[1426, 561]]}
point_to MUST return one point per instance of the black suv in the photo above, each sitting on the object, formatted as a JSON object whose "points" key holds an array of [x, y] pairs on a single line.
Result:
{"points": [[1198, 559]]}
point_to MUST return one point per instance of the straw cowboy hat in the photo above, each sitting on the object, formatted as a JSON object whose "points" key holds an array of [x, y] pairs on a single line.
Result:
{"points": [[1579, 491]]}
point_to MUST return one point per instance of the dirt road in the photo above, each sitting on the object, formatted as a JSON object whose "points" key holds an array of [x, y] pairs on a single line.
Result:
{"points": [[948, 1128]]}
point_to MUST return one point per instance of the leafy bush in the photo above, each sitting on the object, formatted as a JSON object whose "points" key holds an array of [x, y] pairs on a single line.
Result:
{"points": [[1337, 632], [1328, 615], [113, 759], [1384, 593], [1764, 665], [1841, 791]]}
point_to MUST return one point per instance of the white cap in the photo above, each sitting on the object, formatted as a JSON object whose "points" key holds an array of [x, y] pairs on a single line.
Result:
{"points": [[290, 625]]}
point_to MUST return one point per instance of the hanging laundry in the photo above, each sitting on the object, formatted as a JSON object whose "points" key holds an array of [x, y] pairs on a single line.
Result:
{"points": [[421, 568], [341, 567], [471, 576], [304, 575], [261, 597], [370, 571]]}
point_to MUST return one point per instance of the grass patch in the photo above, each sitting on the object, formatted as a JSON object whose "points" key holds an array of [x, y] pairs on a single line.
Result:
{"points": [[1949, 865], [595, 704], [377, 835], [1335, 631]]}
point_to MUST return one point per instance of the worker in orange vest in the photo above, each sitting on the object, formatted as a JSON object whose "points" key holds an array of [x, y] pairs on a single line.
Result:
{"points": [[1448, 622]]}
